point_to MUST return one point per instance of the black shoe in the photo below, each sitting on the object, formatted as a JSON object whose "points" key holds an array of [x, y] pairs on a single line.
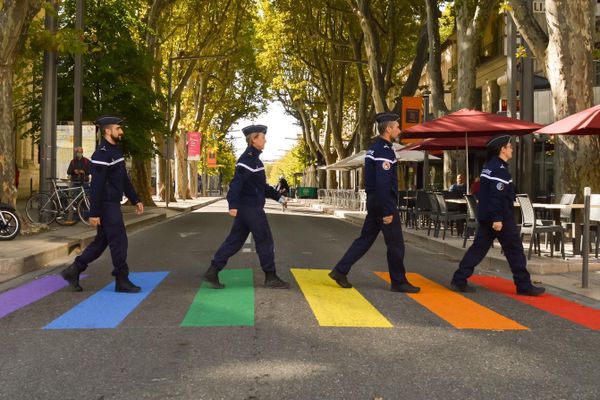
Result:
{"points": [[124, 285], [464, 288], [405, 287], [272, 281], [71, 275], [212, 277], [340, 279], [531, 291]]}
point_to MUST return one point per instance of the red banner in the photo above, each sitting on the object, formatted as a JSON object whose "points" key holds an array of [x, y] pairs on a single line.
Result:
{"points": [[194, 139]]}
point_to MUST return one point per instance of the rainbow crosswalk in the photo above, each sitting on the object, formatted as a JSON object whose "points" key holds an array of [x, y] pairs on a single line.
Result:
{"points": [[331, 305]]}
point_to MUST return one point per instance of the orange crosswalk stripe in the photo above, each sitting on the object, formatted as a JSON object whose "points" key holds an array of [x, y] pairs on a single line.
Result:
{"points": [[454, 308]]}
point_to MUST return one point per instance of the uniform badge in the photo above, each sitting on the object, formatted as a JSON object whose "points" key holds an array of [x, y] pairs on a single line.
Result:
{"points": [[500, 186], [386, 165]]}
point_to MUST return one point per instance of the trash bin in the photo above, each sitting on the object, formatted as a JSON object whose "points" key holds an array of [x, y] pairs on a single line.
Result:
{"points": [[307, 192]]}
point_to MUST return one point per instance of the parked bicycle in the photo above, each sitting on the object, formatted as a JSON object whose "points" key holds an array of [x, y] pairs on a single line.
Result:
{"points": [[65, 205], [10, 225]]}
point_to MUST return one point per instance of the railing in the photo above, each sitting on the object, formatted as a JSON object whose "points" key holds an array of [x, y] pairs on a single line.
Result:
{"points": [[348, 199]]}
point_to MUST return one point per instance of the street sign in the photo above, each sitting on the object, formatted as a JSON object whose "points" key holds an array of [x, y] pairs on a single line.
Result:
{"points": [[538, 7]]}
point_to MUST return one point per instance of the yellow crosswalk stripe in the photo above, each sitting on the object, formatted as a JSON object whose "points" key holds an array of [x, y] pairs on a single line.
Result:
{"points": [[455, 308], [336, 306]]}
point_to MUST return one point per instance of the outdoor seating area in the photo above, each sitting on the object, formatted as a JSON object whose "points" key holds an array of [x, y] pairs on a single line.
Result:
{"points": [[548, 230]]}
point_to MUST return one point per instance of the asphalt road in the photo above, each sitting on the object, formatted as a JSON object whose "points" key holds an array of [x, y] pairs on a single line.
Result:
{"points": [[285, 353]]}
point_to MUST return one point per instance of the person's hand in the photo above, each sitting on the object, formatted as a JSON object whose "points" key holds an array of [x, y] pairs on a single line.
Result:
{"points": [[497, 226], [139, 208], [388, 220], [233, 212], [94, 221]]}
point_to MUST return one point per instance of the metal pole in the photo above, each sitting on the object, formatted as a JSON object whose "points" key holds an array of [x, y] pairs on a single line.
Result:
{"points": [[78, 81], [587, 192], [511, 75], [426, 153], [168, 155], [48, 134]]}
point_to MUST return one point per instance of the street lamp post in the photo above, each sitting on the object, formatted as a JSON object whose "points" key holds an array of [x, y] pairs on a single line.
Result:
{"points": [[169, 99], [426, 94], [78, 81]]}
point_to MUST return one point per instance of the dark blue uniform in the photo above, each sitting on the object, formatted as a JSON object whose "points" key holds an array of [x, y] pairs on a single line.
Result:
{"points": [[381, 186], [496, 203], [109, 182], [247, 193]]}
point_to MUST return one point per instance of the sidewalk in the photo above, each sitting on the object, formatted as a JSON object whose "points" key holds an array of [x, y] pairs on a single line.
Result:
{"points": [[562, 274], [30, 253]]}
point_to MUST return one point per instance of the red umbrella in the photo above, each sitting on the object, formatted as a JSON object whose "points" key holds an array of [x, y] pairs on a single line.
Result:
{"points": [[471, 123], [465, 123], [586, 122], [449, 143]]}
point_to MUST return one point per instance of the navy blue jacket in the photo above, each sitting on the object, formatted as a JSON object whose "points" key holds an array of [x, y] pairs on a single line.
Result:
{"points": [[109, 178], [249, 185], [381, 180], [497, 192]]}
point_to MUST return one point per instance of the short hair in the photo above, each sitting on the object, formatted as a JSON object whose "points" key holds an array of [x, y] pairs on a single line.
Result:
{"points": [[382, 126], [250, 137]]}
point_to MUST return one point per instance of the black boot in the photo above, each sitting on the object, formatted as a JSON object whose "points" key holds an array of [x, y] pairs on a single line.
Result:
{"points": [[272, 281], [340, 279], [71, 275], [404, 287], [124, 285], [464, 288], [531, 291], [212, 277]]}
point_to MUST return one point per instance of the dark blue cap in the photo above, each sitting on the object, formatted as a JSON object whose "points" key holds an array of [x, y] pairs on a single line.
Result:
{"points": [[386, 117], [254, 129], [108, 120], [498, 141]]}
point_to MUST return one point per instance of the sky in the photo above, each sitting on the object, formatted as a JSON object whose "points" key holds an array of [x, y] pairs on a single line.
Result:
{"points": [[281, 134]]}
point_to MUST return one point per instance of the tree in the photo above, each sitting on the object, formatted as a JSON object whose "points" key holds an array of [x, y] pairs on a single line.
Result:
{"points": [[570, 71], [15, 18], [435, 59]]}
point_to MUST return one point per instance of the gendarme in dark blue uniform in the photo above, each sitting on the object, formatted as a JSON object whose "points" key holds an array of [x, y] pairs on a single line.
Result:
{"points": [[381, 186], [109, 182], [246, 197], [496, 221]]}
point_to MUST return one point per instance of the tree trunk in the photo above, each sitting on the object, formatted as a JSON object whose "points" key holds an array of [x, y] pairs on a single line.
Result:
{"points": [[434, 65], [570, 71], [181, 181], [15, 18], [371, 41], [140, 178]]}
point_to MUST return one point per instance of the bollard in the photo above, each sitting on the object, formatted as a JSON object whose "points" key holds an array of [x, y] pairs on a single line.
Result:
{"points": [[587, 192]]}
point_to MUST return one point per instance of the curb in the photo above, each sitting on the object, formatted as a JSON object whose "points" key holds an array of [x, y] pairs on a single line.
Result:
{"points": [[11, 268]]}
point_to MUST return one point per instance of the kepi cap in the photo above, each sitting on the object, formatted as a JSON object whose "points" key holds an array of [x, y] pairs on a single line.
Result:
{"points": [[498, 142], [386, 117], [254, 129], [105, 120]]}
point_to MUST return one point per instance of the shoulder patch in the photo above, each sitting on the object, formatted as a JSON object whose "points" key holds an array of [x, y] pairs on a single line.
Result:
{"points": [[500, 186]]}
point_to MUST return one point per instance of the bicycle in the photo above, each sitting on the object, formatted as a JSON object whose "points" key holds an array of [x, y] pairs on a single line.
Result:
{"points": [[10, 225], [62, 205]]}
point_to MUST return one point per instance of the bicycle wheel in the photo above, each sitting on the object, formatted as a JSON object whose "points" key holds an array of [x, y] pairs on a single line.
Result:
{"points": [[41, 209], [83, 210], [10, 225], [68, 216]]}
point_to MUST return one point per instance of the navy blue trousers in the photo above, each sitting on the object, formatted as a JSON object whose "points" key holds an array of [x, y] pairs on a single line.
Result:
{"points": [[111, 233], [392, 234], [510, 240], [248, 220]]}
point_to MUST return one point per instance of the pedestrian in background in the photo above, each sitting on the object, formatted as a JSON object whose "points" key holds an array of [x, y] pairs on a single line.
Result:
{"points": [[79, 168]]}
